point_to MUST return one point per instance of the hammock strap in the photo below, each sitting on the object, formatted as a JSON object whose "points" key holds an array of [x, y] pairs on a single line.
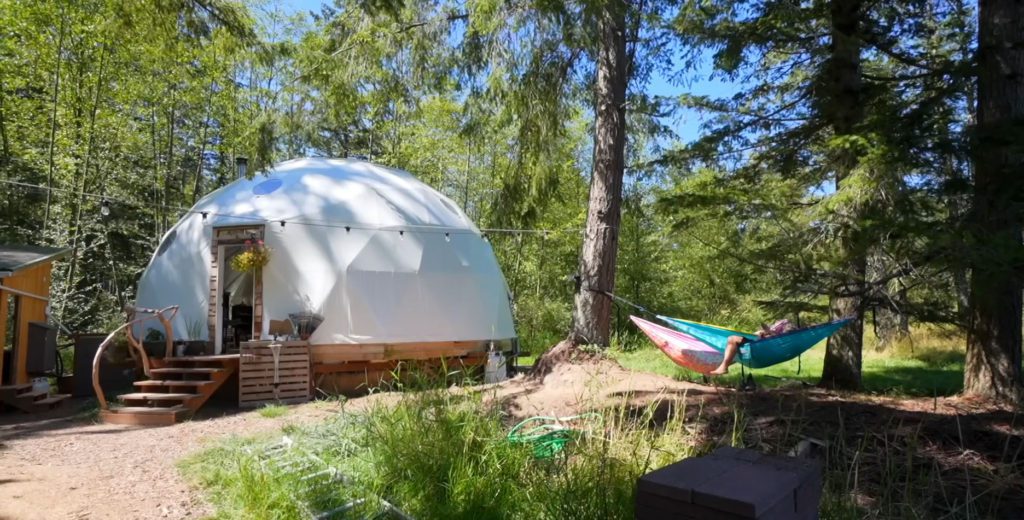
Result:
{"points": [[622, 300]]}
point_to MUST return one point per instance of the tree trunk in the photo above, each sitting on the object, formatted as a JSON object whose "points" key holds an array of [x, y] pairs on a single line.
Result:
{"points": [[592, 310], [53, 121], [843, 109], [889, 301], [5, 146], [77, 223], [169, 166], [891, 322], [993, 366], [202, 146]]}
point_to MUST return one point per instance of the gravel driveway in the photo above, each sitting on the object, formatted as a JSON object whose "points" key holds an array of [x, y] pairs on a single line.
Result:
{"points": [[61, 466]]}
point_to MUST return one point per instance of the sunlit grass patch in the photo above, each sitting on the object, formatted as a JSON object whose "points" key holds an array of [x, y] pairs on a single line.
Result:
{"points": [[271, 411]]}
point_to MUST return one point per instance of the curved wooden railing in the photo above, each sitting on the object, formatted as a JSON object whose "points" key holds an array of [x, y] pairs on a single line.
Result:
{"points": [[136, 346]]}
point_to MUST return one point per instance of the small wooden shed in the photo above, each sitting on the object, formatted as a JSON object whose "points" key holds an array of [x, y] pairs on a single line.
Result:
{"points": [[24, 298]]}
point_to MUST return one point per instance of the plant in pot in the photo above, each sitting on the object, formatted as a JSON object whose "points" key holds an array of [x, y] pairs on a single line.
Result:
{"points": [[117, 353], [255, 257], [195, 345], [155, 343], [305, 323]]}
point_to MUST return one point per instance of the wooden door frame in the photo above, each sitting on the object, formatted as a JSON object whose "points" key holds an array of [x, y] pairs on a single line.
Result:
{"points": [[232, 236]]}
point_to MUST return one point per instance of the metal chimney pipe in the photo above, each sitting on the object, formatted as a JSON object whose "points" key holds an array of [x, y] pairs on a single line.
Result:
{"points": [[241, 165]]}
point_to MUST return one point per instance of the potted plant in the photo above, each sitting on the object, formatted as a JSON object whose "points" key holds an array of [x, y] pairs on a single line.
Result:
{"points": [[154, 343], [305, 323], [194, 345], [117, 352], [255, 257]]}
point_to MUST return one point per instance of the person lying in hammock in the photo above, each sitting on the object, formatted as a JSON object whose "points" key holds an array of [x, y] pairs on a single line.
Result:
{"points": [[733, 346]]}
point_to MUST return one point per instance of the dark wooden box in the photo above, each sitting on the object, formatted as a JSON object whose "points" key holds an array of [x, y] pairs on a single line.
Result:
{"points": [[731, 484]]}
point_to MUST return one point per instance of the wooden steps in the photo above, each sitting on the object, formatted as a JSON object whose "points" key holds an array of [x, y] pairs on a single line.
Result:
{"points": [[27, 400], [146, 416], [179, 388], [173, 382], [185, 370]]}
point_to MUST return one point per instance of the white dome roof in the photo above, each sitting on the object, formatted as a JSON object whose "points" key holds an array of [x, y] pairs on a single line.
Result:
{"points": [[412, 268], [336, 192]]}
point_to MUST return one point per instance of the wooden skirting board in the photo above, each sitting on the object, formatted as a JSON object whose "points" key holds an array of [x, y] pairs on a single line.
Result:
{"points": [[338, 353], [257, 368], [345, 368], [358, 377]]}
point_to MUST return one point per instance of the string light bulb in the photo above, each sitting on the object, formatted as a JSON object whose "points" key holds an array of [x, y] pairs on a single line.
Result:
{"points": [[204, 214], [348, 228], [447, 237], [282, 223], [401, 234], [105, 208]]}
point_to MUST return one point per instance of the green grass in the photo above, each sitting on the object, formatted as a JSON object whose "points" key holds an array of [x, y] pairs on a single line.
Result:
{"points": [[271, 411], [439, 454], [933, 367], [443, 454]]}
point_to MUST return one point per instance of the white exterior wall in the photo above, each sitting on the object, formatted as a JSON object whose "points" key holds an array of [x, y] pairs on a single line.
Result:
{"points": [[371, 284]]}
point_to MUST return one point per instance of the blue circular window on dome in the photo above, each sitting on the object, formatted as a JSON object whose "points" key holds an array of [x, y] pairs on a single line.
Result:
{"points": [[267, 187]]}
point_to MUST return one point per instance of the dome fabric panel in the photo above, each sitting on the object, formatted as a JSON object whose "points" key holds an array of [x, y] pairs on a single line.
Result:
{"points": [[370, 283]]}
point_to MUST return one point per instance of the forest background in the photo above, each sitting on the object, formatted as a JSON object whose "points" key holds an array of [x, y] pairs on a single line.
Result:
{"points": [[745, 197]]}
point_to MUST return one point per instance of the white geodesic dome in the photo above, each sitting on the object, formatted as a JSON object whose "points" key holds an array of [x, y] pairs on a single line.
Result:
{"points": [[410, 267]]}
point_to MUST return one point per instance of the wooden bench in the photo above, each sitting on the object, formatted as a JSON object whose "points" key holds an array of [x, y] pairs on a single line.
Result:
{"points": [[732, 484]]}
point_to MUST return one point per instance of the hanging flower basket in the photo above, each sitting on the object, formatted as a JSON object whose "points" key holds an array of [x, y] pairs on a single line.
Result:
{"points": [[256, 256]]}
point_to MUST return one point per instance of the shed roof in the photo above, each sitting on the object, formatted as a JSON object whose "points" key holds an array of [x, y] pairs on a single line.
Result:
{"points": [[14, 258]]}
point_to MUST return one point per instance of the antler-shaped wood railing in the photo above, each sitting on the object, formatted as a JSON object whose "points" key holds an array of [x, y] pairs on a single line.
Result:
{"points": [[153, 313]]}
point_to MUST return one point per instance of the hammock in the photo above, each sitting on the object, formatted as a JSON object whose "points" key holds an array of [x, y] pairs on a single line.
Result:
{"points": [[695, 345]]}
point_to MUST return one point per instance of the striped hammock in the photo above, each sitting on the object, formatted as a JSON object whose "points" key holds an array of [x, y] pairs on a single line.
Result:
{"points": [[696, 345]]}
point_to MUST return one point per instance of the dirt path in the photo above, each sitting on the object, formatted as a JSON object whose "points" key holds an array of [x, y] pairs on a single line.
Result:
{"points": [[66, 468]]}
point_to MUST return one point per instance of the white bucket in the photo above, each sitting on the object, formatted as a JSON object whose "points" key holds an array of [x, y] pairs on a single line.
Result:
{"points": [[41, 384], [494, 371]]}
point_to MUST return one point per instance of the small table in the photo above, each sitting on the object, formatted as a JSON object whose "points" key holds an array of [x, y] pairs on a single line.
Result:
{"points": [[732, 484]]}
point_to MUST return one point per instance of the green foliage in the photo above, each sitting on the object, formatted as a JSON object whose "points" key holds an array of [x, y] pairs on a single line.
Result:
{"points": [[154, 335], [254, 257], [273, 411], [443, 454]]}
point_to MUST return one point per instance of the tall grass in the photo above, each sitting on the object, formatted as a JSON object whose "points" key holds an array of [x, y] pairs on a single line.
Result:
{"points": [[441, 454]]}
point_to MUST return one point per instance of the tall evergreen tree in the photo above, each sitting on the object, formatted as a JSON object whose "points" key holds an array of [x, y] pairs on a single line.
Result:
{"points": [[592, 309], [842, 98], [993, 367]]}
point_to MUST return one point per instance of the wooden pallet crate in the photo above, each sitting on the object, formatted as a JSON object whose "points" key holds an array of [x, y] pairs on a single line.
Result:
{"points": [[264, 380]]}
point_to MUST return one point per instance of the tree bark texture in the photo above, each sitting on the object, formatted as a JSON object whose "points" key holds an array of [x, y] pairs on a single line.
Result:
{"points": [[592, 310], [843, 109], [5, 147], [993, 365], [53, 122], [890, 318]]}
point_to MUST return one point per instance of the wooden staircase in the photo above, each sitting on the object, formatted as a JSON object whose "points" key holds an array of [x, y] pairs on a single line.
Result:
{"points": [[25, 399], [179, 386]]}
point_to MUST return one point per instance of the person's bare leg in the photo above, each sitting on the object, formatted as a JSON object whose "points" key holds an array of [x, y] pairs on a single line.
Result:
{"points": [[731, 348]]}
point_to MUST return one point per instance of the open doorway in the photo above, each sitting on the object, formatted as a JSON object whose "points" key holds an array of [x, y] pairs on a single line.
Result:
{"points": [[237, 302], [236, 298]]}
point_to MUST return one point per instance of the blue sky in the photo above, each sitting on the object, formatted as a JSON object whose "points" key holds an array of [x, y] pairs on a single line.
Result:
{"points": [[686, 123]]}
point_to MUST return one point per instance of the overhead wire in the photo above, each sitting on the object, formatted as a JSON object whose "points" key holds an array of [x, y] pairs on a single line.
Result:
{"points": [[347, 226]]}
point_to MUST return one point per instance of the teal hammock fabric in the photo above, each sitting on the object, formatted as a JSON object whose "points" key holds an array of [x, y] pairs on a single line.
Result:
{"points": [[759, 353]]}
